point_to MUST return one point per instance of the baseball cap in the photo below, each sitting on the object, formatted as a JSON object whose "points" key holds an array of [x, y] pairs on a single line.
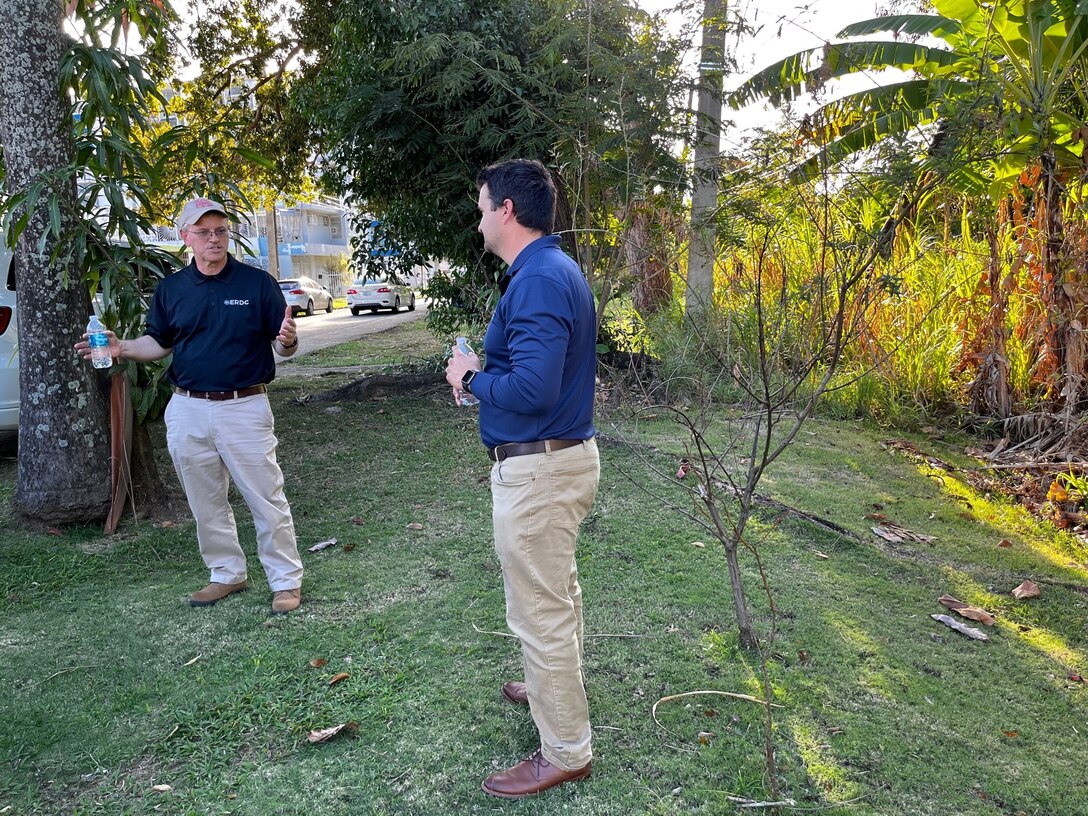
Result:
{"points": [[195, 208]]}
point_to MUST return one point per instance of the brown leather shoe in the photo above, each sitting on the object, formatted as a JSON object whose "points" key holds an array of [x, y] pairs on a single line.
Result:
{"points": [[214, 592], [516, 692], [286, 600], [531, 777]]}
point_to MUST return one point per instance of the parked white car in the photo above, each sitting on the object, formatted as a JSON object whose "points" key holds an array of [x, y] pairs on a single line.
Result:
{"points": [[303, 294], [9, 343], [380, 293]]}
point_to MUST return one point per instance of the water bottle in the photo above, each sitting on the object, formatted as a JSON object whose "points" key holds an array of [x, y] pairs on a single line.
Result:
{"points": [[100, 344], [466, 398]]}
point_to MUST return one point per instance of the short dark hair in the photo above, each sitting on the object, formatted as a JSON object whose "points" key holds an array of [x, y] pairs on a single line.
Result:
{"points": [[529, 185]]}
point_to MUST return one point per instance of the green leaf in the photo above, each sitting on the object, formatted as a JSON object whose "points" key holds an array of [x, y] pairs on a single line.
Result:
{"points": [[914, 25], [255, 157], [787, 79]]}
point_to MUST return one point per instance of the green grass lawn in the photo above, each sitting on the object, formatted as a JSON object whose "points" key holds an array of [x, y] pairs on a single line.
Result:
{"points": [[411, 345], [111, 685]]}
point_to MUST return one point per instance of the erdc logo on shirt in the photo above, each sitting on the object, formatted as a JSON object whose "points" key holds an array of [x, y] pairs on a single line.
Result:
{"points": [[235, 302]]}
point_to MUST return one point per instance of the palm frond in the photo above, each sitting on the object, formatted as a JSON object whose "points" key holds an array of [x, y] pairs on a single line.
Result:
{"points": [[809, 70], [904, 24], [864, 135], [836, 117]]}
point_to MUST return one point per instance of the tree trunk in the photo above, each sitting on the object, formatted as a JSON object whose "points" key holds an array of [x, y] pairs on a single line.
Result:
{"points": [[645, 253], [704, 197], [990, 393], [63, 417], [730, 540], [149, 492]]}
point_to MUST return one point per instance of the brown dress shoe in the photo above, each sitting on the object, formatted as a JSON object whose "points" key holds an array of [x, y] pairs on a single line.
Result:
{"points": [[530, 777], [215, 592], [516, 692], [286, 600]]}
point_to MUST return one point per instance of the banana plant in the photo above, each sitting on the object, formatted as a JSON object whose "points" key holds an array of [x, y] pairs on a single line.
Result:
{"points": [[1000, 87], [1019, 66]]}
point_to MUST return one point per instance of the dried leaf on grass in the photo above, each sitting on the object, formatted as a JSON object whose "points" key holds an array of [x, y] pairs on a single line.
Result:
{"points": [[1004, 543], [1028, 589], [897, 535], [1057, 492], [966, 611], [358, 520], [318, 662], [338, 677], [963, 629], [321, 545], [699, 544], [415, 525], [161, 788], [325, 734], [191, 662]]}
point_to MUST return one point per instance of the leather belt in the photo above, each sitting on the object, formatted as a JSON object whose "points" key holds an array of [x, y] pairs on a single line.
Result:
{"points": [[219, 396], [501, 452]]}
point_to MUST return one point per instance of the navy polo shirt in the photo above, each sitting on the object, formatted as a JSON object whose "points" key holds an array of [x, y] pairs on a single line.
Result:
{"points": [[221, 327], [541, 352]]}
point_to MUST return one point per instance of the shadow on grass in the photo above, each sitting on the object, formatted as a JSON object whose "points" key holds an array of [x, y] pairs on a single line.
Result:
{"points": [[117, 686]]}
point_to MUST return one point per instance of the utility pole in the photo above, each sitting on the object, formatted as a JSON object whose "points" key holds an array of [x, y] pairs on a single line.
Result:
{"points": [[704, 197], [273, 240]]}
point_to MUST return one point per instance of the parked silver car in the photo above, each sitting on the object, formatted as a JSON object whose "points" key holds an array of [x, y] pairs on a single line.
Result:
{"points": [[303, 294], [380, 293]]}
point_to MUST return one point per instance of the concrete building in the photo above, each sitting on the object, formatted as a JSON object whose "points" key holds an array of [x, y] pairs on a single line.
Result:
{"points": [[312, 239]]}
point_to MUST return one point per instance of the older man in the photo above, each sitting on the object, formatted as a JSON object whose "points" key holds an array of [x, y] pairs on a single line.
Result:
{"points": [[221, 320], [536, 419]]}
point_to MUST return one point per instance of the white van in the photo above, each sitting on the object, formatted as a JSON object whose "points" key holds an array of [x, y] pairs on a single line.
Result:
{"points": [[9, 343]]}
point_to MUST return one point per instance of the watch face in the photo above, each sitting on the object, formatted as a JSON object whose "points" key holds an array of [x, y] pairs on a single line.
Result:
{"points": [[466, 379]]}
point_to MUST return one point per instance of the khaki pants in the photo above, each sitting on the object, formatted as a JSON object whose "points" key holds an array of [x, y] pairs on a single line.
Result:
{"points": [[212, 442], [539, 503]]}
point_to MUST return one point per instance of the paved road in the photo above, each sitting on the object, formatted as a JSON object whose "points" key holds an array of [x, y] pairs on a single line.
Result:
{"points": [[320, 329]]}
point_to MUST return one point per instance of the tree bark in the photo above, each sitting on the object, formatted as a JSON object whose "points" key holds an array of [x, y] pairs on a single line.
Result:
{"points": [[646, 253], [63, 416], [704, 197], [990, 393]]}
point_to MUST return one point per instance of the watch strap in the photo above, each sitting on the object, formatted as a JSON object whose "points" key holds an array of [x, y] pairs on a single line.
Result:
{"points": [[467, 378]]}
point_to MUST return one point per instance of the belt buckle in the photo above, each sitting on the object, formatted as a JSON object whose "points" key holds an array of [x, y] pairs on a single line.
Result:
{"points": [[500, 453]]}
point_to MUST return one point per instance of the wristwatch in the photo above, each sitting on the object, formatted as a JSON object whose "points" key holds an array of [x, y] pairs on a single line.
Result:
{"points": [[467, 378]]}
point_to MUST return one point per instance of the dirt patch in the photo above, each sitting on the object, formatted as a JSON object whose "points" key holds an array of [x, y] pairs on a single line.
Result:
{"points": [[382, 385]]}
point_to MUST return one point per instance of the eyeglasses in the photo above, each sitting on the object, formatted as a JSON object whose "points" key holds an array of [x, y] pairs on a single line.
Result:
{"points": [[222, 232]]}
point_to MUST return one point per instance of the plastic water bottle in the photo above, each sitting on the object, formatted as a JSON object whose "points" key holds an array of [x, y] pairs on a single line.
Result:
{"points": [[466, 398], [100, 343]]}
